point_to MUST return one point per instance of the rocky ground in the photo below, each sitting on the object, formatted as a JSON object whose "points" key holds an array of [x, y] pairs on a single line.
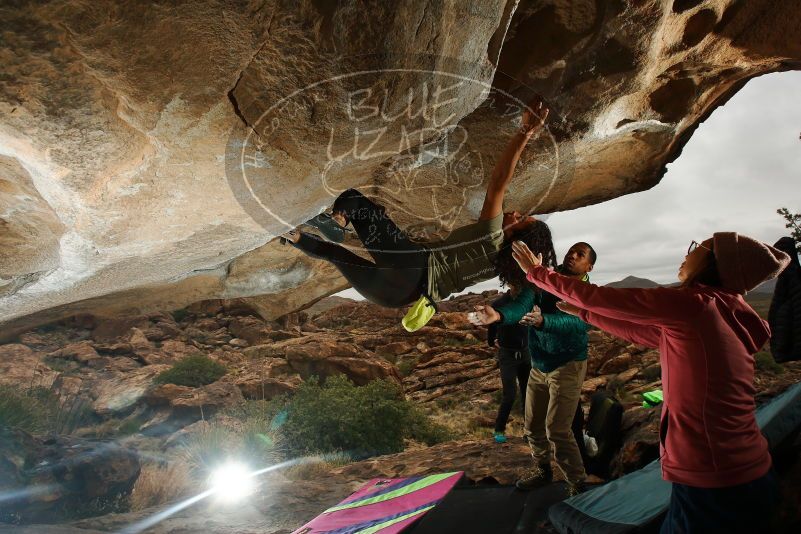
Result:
{"points": [[446, 368]]}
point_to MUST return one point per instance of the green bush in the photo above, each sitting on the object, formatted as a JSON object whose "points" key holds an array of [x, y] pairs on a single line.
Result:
{"points": [[179, 315], [194, 371], [129, 426], [424, 430], [406, 366], [764, 362], [19, 409], [360, 421], [41, 410]]}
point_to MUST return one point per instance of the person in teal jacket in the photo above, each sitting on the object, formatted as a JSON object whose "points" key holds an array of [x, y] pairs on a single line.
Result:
{"points": [[514, 358], [558, 346]]}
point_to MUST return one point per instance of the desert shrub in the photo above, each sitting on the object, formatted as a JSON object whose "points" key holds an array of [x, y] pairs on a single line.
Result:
{"points": [[159, 484], [460, 342], [263, 410], [129, 426], [179, 315], [242, 433], [20, 409], [406, 366], [42, 410], [194, 371], [204, 449], [764, 362], [361, 421], [316, 467], [423, 429]]}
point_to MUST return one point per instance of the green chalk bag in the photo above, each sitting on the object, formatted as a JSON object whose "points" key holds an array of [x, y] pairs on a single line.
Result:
{"points": [[419, 314]]}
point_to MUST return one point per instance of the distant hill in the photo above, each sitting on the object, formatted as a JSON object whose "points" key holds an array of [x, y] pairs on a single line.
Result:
{"points": [[768, 287], [633, 281], [759, 298]]}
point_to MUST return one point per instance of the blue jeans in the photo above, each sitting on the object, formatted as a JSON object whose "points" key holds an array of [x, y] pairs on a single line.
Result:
{"points": [[746, 508]]}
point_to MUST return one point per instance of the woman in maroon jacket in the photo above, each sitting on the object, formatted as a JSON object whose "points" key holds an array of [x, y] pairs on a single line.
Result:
{"points": [[711, 447]]}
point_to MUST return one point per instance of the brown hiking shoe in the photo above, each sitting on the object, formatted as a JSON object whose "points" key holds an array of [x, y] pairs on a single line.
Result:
{"points": [[539, 477]]}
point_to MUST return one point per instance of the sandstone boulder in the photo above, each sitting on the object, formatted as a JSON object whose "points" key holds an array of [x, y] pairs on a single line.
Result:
{"points": [[498, 464], [252, 330], [175, 350], [640, 430], [63, 475], [256, 387], [239, 343], [37, 342], [82, 352], [112, 329], [140, 344], [591, 385], [395, 349], [119, 392], [325, 358], [187, 404], [21, 366], [618, 364]]}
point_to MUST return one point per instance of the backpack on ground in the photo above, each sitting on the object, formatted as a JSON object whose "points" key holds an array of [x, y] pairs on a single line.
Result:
{"points": [[604, 426]]}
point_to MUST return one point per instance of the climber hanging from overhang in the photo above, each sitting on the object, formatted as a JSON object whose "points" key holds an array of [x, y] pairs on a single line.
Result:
{"points": [[406, 272]]}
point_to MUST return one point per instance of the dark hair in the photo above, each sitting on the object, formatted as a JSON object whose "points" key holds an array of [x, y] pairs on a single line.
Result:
{"points": [[709, 276], [593, 254], [537, 236]]}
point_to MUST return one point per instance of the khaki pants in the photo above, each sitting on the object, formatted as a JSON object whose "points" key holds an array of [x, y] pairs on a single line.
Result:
{"points": [[551, 401]]}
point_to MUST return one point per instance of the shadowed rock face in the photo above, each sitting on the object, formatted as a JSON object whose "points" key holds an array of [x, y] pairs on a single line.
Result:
{"points": [[150, 155]]}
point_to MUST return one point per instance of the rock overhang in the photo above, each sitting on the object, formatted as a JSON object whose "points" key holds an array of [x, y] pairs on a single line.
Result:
{"points": [[124, 130]]}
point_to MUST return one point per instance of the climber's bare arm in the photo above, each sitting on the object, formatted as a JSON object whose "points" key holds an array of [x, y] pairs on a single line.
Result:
{"points": [[533, 119]]}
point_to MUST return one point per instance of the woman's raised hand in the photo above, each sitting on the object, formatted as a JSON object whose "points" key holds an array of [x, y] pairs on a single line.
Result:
{"points": [[524, 257]]}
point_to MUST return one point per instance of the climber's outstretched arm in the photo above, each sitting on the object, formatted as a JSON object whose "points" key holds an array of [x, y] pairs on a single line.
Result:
{"points": [[533, 120]]}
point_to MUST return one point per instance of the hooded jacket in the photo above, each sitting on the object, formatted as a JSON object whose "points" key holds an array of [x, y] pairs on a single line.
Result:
{"points": [[706, 337], [784, 316]]}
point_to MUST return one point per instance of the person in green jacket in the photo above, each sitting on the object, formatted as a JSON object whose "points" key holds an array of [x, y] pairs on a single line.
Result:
{"points": [[558, 346], [514, 358]]}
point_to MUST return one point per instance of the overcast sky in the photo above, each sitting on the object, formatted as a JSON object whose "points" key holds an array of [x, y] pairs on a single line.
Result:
{"points": [[740, 165]]}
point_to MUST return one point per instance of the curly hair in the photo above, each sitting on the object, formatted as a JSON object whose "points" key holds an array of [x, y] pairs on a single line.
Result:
{"points": [[537, 236]]}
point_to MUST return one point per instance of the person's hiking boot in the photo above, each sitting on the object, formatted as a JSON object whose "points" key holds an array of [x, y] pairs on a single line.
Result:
{"points": [[331, 229], [539, 477], [499, 437], [577, 488]]}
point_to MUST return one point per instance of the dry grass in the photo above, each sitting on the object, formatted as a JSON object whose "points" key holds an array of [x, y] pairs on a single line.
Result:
{"points": [[466, 417], [160, 484], [317, 467]]}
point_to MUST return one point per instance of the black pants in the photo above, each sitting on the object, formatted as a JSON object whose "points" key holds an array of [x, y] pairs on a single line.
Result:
{"points": [[746, 508], [515, 367], [399, 273]]}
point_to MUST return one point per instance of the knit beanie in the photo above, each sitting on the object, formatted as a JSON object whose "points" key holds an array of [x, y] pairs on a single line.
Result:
{"points": [[744, 263]]}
